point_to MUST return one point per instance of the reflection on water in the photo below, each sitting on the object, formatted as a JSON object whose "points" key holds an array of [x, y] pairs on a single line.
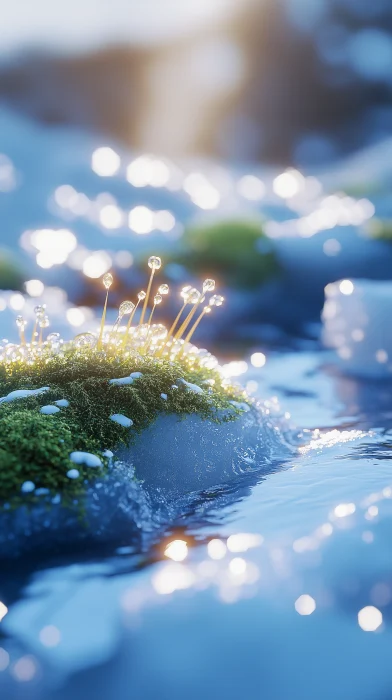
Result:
{"points": [[293, 566]]}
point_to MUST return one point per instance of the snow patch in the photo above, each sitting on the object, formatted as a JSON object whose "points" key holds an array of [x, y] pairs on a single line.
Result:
{"points": [[122, 380], [122, 420], [22, 394], [49, 410], [86, 458]]}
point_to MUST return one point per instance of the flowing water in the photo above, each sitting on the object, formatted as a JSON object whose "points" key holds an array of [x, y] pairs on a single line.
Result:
{"points": [[282, 590]]}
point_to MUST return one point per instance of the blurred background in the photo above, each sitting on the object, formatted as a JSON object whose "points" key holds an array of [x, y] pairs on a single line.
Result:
{"points": [[250, 141]]}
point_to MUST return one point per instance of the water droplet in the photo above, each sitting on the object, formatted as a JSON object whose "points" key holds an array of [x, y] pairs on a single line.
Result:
{"points": [[84, 340], [216, 300], [107, 280], [154, 262], [40, 310], [44, 322], [126, 307], [21, 323], [141, 296], [157, 299], [193, 296], [208, 285], [163, 289]]}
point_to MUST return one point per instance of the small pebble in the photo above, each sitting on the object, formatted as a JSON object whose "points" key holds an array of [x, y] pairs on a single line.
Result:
{"points": [[73, 474], [49, 410], [121, 420], [27, 487]]}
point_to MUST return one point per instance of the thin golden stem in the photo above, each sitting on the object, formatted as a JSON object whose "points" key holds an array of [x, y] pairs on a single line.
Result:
{"points": [[34, 331], [171, 330], [176, 320], [99, 343], [195, 325], [146, 298], [115, 326], [188, 319], [150, 319], [129, 324], [22, 337], [40, 337]]}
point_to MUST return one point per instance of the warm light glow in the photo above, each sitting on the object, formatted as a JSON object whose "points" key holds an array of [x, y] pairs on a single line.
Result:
{"points": [[3, 610], [288, 184], [305, 605], [76, 317], [16, 302], [96, 264], [258, 359], [164, 220], [344, 509], [234, 368], [111, 216], [216, 549], [346, 287], [251, 187], [34, 288], [141, 220], [177, 550], [243, 541], [369, 618], [237, 566], [50, 636], [105, 161], [24, 669], [172, 577], [145, 171], [201, 192]]}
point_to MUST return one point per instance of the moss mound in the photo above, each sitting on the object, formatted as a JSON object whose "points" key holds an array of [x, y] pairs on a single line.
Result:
{"points": [[237, 252], [36, 447]]}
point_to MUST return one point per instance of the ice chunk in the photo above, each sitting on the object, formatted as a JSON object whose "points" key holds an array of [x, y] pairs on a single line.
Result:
{"points": [[73, 474], [86, 458], [22, 394], [164, 397], [136, 375], [179, 455], [122, 420], [49, 410]]}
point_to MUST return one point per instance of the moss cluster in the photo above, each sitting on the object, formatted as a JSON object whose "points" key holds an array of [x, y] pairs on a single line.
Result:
{"points": [[36, 447], [236, 252]]}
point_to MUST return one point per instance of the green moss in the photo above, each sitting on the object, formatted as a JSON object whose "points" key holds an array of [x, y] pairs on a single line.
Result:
{"points": [[36, 447], [235, 252], [11, 275], [381, 229]]}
